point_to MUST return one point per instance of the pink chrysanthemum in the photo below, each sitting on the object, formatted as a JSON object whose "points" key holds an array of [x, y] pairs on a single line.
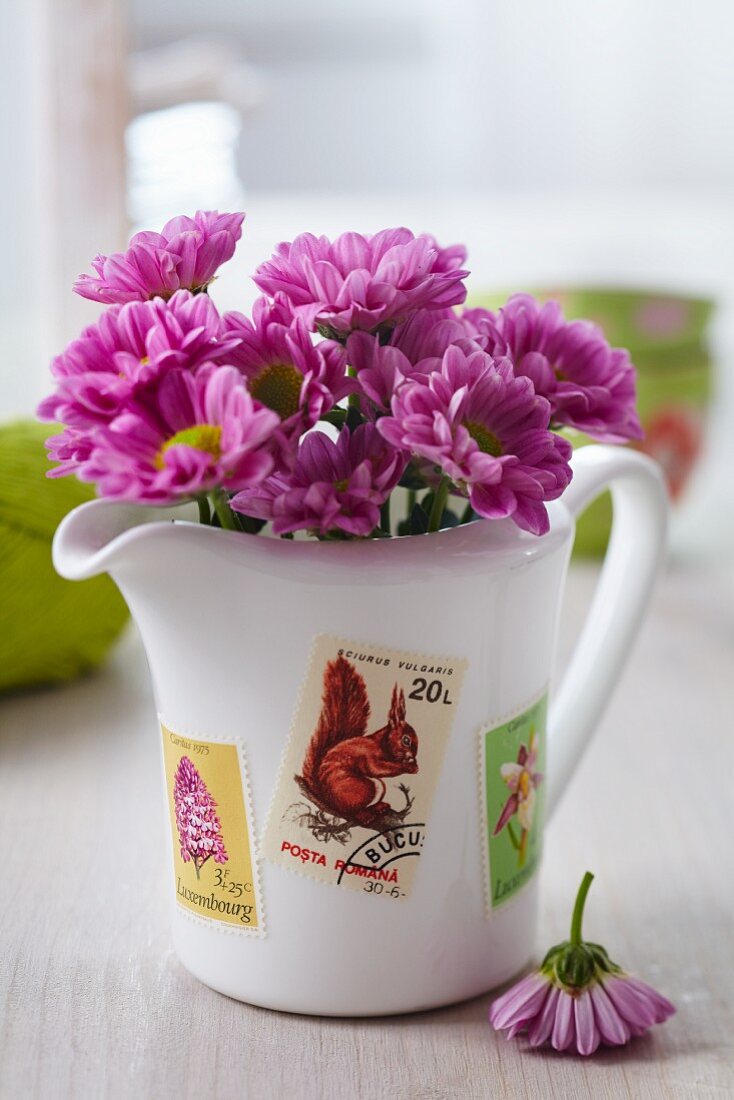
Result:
{"points": [[334, 486], [128, 346], [380, 370], [590, 385], [70, 449], [415, 347], [364, 283], [579, 998], [193, 433], [185, 254], [488, 432], [199, 827], [426, 336], [285, 370]]}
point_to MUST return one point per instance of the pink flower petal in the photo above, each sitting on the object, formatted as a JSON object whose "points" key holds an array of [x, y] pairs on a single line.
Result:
{"points": [[511, 775], [563, 1033], [636, 1009], [520, 1003], [509, 808], [663, 1008], [587, 1033], [612, 1027], [539, 1029]]}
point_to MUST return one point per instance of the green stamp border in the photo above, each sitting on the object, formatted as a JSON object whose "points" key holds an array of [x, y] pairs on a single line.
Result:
{"points": [[485, 728]]}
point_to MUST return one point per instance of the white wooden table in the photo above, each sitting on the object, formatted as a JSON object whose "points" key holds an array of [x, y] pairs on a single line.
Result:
{"points": [[94, 1004]]}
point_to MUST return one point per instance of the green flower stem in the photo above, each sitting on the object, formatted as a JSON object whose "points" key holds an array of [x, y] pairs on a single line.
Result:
{"points": [[467, 515], [353, 400], [578, 909], [247, 524], [385, 516], [412, 497], [439, 503], [205, 515], [336, 417], [223, 510]]}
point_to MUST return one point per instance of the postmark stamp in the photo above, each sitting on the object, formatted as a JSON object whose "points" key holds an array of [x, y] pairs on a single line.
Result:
{"points": [[214, 864], [360, 768]]}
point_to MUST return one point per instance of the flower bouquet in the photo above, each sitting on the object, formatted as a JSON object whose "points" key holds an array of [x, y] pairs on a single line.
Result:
{"points": [[356, 375], [320, 698]]}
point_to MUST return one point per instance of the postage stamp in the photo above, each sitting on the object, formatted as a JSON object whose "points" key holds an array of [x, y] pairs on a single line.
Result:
{"points": [[360, 768], [215, 871], [513, 768]]}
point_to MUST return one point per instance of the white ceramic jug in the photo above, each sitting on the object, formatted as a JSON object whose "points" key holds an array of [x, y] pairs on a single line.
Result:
{"points": [[309, 885]]}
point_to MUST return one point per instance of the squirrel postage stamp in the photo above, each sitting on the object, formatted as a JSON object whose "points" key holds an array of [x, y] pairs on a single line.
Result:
{"points": [[215, 869], [360, 768]]}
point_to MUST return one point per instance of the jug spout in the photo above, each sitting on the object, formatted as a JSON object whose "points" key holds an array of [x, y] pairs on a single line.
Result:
{"points": [[97, 536]]}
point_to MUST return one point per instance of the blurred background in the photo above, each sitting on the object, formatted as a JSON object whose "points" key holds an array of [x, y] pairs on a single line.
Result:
{"points": [[581, 150], [575, 147]]}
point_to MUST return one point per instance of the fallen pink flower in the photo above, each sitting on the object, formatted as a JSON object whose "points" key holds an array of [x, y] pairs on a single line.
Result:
{"points": [[579, 998]]}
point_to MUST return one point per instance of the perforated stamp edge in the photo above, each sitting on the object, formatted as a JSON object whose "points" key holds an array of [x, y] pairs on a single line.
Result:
{"points": [[255, 855], [487, 727], [343, 641]]}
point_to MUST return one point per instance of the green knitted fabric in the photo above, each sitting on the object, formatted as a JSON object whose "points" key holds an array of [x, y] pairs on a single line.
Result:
{"points": [[50, 629]]}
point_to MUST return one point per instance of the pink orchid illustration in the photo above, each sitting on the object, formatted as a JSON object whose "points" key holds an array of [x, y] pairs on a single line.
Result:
{"points": [[523, 782], [199, 827]]}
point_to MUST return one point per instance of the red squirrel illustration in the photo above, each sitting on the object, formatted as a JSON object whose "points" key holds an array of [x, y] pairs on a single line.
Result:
{"points": [[344, 766]]}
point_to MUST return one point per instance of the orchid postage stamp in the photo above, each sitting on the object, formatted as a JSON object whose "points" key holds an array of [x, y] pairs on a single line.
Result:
{"points": [[214, 865], [513, 795], [359, 771]]}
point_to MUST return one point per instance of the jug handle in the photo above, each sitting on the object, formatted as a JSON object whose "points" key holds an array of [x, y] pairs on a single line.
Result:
{"points": [[633, 557]]}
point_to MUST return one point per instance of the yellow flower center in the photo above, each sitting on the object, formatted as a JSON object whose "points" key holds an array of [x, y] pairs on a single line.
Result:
{"points": [[202, 437], [486, 441], [279, 387], [524, 784], [341, 486], [145, 361]]}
